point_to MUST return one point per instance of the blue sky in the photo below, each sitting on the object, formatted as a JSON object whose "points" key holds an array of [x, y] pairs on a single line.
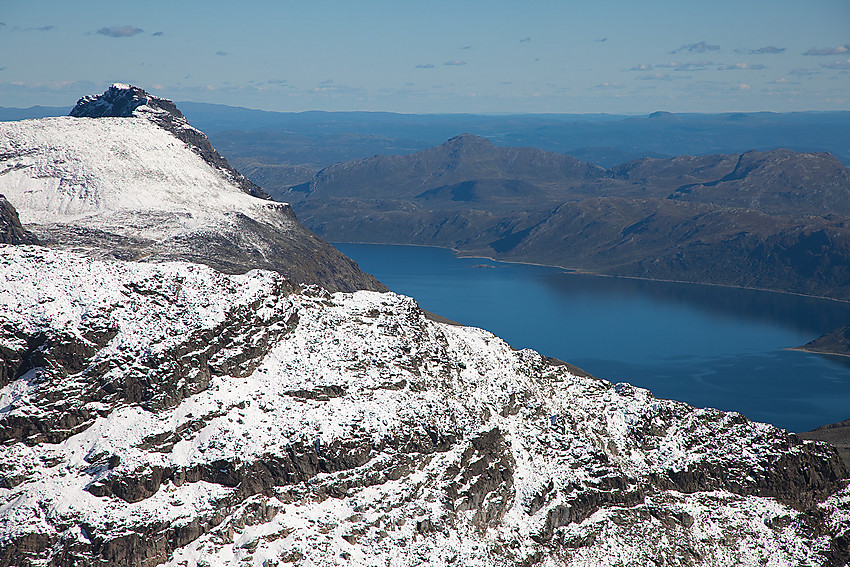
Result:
{"points": [[620, 57]]}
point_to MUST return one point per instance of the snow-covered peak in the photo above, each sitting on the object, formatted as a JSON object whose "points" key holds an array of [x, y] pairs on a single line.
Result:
{"points": [[139, 156], [62, 169], [128, 101], [126, 176]]}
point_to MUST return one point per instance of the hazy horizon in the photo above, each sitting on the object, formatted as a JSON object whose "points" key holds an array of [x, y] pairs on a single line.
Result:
{"points": [[496, 57]]}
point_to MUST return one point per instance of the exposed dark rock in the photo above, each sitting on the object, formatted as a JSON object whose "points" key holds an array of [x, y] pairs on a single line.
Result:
{"points": [[11, 231], [837, 434], [64, 365], [483, 479], [301, 463]]}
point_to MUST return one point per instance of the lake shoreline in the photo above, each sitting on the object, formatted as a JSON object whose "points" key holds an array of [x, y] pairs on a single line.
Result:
{"points": [[821, 352], [461, 254]]}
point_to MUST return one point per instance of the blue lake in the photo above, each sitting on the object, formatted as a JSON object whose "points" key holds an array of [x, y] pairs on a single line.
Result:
{"points": [[706, 345]]}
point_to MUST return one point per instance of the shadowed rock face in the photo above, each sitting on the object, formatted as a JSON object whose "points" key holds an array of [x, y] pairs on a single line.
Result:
{"points": [[837, 434], [120, 101], [193, 414], [11, 231]]}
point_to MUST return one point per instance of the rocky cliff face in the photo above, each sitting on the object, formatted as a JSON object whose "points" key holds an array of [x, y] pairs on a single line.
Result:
{"points": [[125, 176], [170, 414]]}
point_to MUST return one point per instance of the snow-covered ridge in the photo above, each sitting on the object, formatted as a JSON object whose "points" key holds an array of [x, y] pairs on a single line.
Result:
{"points": [[69, 169], [349, 429]]}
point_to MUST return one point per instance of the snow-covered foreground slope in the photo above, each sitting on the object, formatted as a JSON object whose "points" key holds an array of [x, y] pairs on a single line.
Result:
{"points": [[166, 413], [149, 186]]}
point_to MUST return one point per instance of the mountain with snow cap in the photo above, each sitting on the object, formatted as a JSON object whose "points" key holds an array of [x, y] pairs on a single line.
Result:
{"points": [[126, 176], [170, 414], [123, 101]]}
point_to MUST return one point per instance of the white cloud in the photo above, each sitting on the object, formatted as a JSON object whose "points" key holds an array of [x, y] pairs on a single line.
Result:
{"points": [[689, 66], [803, 72], [655, 77], [767, 50], [608, 85], [838, 65]]}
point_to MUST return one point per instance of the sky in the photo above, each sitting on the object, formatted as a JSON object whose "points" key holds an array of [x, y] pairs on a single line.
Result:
{"points": [[494, 56]]}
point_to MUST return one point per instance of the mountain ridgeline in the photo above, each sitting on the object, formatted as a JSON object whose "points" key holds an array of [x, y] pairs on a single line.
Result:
{"points": [[773, 220]]}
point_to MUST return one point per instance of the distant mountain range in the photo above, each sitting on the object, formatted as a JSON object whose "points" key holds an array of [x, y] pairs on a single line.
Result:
{"points": [[261, 139], [774, 220], [323, 138]]}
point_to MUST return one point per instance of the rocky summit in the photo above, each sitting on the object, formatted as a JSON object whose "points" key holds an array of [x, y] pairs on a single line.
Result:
{"points": [[11, 231]]}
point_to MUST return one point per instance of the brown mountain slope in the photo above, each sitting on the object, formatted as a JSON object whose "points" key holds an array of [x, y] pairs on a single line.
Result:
{"points": [[774, 220], [461, 159]]}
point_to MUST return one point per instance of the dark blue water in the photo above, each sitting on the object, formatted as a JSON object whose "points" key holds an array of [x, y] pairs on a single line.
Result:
{"points": [[705, 345]]}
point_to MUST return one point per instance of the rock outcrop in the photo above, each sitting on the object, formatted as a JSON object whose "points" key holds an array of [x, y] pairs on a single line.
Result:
{"points": [[11, 231], [838, 434]]}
